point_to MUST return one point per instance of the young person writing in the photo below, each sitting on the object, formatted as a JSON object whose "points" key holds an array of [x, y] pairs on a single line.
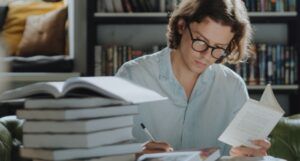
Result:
{"points": [[204, 95]]}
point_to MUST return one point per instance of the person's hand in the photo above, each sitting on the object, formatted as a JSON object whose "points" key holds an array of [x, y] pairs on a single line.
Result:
{"points": [[154, 147], [264, 145]]}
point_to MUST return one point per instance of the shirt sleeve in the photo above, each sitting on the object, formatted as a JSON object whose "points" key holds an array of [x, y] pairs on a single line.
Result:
{"points": [[239, 98], [124, 72]]}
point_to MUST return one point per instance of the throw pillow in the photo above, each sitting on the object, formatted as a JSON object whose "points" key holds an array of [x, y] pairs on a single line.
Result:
{"points": [[44, 34], [16, 18]]}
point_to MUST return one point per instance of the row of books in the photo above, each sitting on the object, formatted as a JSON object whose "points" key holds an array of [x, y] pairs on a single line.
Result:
{"points": [[270, 5], [117, 6], [80, 119], [275, 64], [108, 59]]}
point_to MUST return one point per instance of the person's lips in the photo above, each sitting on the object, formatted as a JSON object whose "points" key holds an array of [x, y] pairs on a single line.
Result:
{"points": [[200, 63]]}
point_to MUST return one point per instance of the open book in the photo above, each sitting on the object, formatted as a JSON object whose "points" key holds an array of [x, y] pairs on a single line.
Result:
{"points": [[208, 154], [255, 120], [112, 87]]}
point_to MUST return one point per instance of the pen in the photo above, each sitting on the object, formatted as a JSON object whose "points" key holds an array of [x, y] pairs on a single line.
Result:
{"points": [[147, 132]]}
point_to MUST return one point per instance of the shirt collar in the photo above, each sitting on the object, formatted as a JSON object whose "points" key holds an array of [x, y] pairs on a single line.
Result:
{"points": [[165, 72]]}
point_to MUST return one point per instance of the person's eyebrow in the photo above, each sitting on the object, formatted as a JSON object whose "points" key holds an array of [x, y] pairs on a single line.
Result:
{"points": [[218, 44]]}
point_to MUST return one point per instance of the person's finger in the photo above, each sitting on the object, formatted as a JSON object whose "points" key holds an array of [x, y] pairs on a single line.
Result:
{"points": [[246, 151], [233, 152], [262, 143]]}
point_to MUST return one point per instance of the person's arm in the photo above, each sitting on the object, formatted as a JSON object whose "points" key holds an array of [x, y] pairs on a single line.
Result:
{"points": [[149, 146]]}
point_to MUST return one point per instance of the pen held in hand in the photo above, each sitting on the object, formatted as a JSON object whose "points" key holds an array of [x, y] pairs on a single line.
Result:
{"points": [[147, 132]]}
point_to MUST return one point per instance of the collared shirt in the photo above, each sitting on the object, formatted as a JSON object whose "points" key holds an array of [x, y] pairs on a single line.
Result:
{"points": [[185, 123]]}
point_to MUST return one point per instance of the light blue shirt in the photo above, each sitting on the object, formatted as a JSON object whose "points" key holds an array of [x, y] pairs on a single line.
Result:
{"points": [[195, 123]]}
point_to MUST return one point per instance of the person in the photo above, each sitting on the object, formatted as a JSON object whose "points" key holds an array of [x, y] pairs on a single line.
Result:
{"points": [[204, 95]]}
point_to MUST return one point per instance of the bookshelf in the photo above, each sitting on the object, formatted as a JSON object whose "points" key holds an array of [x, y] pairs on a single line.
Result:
{"points": [[140, 19]]}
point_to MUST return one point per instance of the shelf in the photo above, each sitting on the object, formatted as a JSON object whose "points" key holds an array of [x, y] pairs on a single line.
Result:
{"points": [[132, 18], [272, 14], [162, 17], [276, 88]]}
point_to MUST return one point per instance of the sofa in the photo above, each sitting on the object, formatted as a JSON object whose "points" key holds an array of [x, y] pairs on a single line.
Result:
{"points": [[285, 138], [34, 36]]}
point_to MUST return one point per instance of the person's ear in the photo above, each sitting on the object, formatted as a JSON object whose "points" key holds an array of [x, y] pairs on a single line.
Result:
{"points": [[181, 24]]}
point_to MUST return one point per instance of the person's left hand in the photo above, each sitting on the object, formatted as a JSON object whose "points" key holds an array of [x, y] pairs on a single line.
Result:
{"points": [[252, 152]]}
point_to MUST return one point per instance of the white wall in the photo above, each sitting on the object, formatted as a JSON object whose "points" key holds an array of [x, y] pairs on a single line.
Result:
{"points": [[77, 18]]}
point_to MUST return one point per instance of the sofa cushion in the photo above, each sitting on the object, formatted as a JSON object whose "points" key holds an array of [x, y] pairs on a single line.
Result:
{"points": [[5, 143], [44, 34], [10, 134], [16, 18], [285, 139]]}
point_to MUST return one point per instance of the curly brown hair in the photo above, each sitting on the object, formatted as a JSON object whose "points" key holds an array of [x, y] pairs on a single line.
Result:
{"points": [[231, 13]]}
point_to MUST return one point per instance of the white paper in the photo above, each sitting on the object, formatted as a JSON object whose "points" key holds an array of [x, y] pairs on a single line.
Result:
{"points": [[255, 120]]}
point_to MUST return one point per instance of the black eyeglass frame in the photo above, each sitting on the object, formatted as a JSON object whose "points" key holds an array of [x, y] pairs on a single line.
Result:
{"points": [[225, 53]]}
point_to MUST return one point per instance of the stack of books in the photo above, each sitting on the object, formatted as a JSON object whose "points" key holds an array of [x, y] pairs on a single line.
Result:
{"points": [[88, 117]]}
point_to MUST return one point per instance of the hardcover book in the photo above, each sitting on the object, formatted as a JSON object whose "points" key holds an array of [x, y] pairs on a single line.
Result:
{"points": [[77, 126], [81, 153], [111, 87], [77, 140], [63, 113]]}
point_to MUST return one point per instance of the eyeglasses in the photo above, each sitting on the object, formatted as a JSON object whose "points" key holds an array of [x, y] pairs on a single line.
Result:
{"points": [[199, 45]]}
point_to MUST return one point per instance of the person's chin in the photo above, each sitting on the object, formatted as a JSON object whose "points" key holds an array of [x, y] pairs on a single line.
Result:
{"points": [[197, 69], [200, 66]]}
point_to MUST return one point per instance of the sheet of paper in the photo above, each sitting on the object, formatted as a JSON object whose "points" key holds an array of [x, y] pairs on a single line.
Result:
{"points": [[255, 120]]}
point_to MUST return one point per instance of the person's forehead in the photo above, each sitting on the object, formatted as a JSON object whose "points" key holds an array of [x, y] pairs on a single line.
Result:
{"points": [[213, 31]]}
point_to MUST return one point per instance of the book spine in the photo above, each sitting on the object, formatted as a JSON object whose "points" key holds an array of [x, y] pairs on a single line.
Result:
{"points": [[98, 53]]}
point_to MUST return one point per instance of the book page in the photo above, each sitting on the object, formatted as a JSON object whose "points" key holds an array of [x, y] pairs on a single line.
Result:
{"points": [[114, 87], [172, 156], [211, 154], [268, 98], [42, 88], [253, 121]]}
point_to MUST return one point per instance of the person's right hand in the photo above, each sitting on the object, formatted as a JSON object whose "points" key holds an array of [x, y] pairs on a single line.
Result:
{"points": [[155, 147]]}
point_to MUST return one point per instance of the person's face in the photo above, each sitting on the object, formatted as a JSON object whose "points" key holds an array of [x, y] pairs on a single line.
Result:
{"points": [[199, 40]]}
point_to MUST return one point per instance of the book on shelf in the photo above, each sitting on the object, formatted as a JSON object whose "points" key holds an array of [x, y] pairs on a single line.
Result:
{"points": [[275, 64], [208, 154], [115, 6], [273, 6], [77, 126], [77, 140], [80, 153], [255, 120], [77, 113], [111, 87], [125, 157]]}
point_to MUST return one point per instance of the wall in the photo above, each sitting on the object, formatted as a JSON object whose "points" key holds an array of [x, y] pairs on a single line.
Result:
{"points": [[78, 33]]}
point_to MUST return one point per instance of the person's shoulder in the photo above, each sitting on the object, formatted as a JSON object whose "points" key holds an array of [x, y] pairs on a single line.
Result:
{"points": [[143, 67], [149, 61], [225, 73]]}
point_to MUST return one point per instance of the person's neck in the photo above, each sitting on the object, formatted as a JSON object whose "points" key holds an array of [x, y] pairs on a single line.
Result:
{"points": [[183, 74]]}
